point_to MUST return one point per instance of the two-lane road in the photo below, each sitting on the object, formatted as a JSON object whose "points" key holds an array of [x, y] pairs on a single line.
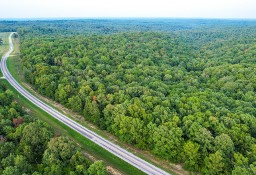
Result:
{"points": [[111, 147]]}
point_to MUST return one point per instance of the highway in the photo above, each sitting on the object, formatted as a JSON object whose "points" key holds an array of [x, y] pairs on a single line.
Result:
{"points": [[109, 146]]}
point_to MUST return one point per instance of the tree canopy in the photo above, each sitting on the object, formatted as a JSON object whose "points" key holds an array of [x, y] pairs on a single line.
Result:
{"points": [[28, 146]]}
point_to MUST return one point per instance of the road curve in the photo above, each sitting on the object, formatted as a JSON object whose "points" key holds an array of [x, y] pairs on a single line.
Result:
{"points": [[109, 146]]}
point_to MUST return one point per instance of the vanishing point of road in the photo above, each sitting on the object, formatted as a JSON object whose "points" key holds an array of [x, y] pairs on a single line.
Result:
{"points": [[109, 146]]}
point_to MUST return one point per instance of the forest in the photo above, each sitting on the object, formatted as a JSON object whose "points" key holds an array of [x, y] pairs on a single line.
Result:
{"points": [[29, 146], [183, 89]]}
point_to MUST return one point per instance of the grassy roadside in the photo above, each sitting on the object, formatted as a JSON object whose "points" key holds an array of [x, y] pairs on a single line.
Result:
{"points": [[14, 63], [60, 129], [4, 47]]}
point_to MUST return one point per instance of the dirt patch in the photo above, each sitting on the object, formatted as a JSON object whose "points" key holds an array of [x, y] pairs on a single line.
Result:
{"points": [[27, 110], [89, 156], [113, 171]]}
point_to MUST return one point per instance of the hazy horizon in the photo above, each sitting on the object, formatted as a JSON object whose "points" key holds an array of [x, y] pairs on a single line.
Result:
{"points": [[217, 9], [128, 18]]}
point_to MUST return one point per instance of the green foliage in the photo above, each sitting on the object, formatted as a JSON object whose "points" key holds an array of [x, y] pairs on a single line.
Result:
{"points": [[35, 137], [97, 168], [75, 103], [5, 149], [63, 157], [242, 165], [214, 164], [224, 144], [168, 141], [11, 170], [59, 149], [191, 156], [30, 148]]}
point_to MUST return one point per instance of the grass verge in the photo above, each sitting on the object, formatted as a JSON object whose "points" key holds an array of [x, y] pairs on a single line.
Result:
{"points": [[4, 46]]}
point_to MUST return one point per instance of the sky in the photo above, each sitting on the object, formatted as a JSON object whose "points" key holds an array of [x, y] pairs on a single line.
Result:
{"points": [[128, 8]]}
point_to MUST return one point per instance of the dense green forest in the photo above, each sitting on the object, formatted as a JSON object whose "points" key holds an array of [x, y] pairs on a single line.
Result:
{"points": [[28, 146], [183, 89]]}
